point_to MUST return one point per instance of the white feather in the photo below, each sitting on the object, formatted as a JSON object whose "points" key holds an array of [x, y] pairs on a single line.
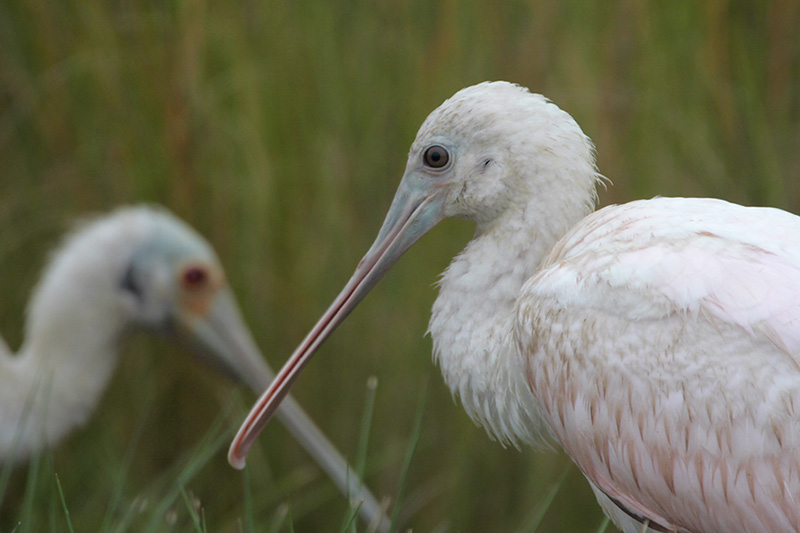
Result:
{"points": [[657, 341]]}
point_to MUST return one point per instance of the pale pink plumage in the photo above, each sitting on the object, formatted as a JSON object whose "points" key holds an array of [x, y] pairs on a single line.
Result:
{"points": [[661, 338], [658, 341]]}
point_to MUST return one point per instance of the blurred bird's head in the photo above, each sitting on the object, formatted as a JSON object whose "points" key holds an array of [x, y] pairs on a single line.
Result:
{"points": [[143, 267]]}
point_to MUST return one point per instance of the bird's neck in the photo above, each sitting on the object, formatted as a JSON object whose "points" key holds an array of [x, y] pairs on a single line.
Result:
{"points": [[59, 374], [472, 319]]}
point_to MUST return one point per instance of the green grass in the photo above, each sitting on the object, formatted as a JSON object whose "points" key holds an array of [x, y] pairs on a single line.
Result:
{"points": [[64, 506], [411, 450], [280, 130]]}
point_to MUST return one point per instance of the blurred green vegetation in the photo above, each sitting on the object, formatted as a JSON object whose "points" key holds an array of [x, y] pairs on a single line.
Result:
{"points": [[279, 129]]}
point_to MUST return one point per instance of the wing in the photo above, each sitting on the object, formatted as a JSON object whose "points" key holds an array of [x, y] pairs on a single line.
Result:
{"points": [[666, 255], [662, 338]]}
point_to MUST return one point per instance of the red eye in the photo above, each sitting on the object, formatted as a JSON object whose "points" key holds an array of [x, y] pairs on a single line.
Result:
{"points": [[194, 277]]}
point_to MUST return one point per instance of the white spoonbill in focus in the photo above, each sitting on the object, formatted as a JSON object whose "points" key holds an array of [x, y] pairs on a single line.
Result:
{"points": [[657, 341], [139, 266]]}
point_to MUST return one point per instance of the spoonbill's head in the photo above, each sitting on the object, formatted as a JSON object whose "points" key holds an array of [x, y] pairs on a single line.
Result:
{"points": [[174, 284], [143, 267], [484, 154]]}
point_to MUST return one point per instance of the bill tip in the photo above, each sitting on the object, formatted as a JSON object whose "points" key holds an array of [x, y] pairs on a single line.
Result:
{"points": [[236, 461]]}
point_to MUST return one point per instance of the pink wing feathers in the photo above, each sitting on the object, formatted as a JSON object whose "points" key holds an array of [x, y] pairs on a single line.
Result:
{"points": [[741, 264], [663, 342]]}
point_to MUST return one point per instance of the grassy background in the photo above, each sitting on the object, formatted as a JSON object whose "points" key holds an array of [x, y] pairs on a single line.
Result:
{"points": [[280, 129]]}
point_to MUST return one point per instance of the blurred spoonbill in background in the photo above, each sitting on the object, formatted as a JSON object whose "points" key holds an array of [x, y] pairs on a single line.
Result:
{"points": [[658, 342], [139, 266]]}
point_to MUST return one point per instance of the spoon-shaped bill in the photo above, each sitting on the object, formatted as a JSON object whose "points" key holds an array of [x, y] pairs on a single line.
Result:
{"points": [[414, 211]]}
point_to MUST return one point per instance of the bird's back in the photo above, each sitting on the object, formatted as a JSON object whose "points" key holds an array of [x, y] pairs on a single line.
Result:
{"points": [[662, 338]]}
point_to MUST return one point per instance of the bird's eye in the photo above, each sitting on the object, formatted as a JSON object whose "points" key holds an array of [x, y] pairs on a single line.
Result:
{"points": [[436, 156], [131, 284], [194, 277]]}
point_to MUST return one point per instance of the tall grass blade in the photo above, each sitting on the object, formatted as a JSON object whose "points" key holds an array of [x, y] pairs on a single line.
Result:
{"points": [[350, 522], [412, 447], [27, 515], [196, 521], [211, 444], [604, 525], [249, 518], [64, 506], [366, 424], [541, 510], [122, 476], [362, 450], [278, 519]]}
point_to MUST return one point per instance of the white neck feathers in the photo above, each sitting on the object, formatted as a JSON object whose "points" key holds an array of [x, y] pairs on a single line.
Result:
{"points": [[472, 319], [69, 352]]}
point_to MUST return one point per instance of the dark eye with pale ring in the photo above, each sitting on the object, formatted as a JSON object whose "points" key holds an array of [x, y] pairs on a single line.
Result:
{"points": [[194, 277], [436, 157]]}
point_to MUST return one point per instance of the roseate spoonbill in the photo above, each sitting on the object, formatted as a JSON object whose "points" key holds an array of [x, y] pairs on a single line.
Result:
{"points": [[139, 266], [657, 341]]}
